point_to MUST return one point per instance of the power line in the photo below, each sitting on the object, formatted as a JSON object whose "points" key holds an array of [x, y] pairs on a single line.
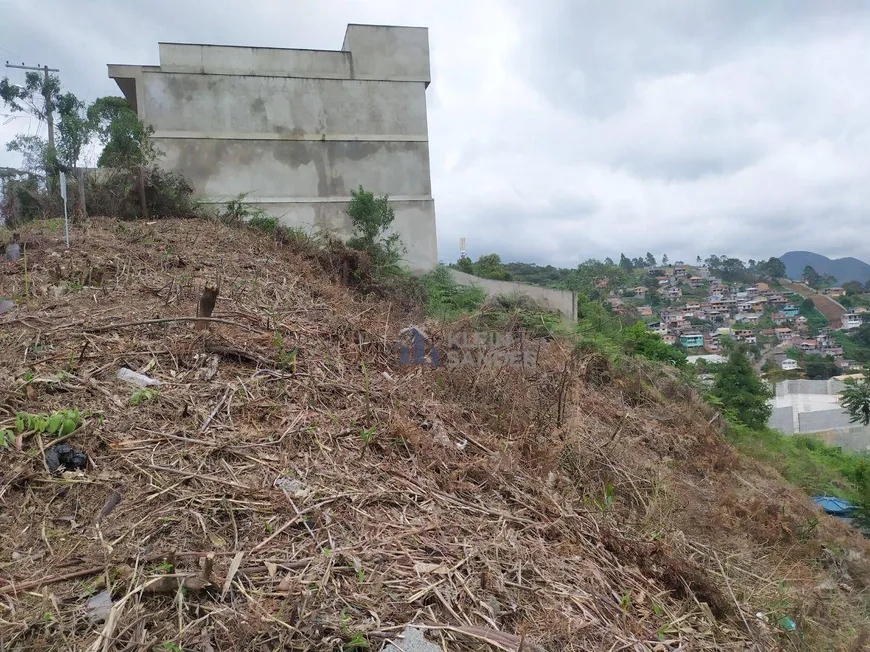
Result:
{"points": [[46, 93], [14, 54]]}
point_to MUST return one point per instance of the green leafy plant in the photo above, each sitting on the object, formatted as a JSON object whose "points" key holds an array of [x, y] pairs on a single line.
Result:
{"points": [[446, 299], [609, 496], [144, 395], [59, 423], [286, 358], [7, 438], [367, 435], [264, 222], [371, 218], [358, 642], [855, 398], [238, 211]]}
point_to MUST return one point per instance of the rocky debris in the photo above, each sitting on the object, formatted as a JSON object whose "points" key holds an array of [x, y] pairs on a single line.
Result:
{"points": [[64, 455], [412, 640]]}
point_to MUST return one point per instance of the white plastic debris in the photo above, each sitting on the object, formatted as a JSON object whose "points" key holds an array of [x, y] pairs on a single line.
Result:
{"points": [[99, 606], [140, 380]]}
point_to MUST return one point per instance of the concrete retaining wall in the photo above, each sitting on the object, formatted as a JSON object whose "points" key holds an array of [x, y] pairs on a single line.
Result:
{"points": [[563, 301], [854, 438], [782, 418], [823, 420], [299, 129], [824, 387]]}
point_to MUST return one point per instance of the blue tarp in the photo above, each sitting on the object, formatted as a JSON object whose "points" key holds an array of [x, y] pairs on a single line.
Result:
{"points": [[834, 506]]}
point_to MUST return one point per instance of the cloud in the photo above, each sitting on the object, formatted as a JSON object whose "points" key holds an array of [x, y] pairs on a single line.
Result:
{"points": [[574, 129]]}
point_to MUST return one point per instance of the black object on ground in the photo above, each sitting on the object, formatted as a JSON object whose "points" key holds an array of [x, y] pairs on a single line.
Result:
{"points": [[66, 456]]}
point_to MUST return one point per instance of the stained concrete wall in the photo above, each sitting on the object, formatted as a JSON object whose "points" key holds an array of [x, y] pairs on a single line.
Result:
{"points": [[299, 129], [853, 438], [563, 301]]}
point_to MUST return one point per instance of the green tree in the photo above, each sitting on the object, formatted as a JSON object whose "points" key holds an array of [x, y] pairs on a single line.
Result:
{"points": [[811, 277], [740, 391], [664, 259], [33, 150], [820, 367], [41, 97], [650, 260], [856, 401], [732, 270], [853, 288], [371, 218], [125, 138], [697, 260], [489, 266], [639, 340], [36, 98], [584, 279], [74, 131], [465, 265], [609, 261], [625, 263], [862, 335], [772, 268]]}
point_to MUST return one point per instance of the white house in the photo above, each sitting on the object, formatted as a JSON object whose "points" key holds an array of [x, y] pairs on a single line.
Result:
{"points": [[851, 320], [789, 365]]}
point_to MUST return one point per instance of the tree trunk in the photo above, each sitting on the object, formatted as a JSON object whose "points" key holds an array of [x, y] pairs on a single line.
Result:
{"points": [[81, 210], [142, 199]]}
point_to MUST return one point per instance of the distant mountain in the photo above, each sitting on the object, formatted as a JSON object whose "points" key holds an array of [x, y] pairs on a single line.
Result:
{"points": [[843, 269]]}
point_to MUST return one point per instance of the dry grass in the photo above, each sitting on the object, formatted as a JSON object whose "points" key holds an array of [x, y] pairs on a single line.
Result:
{"points": [[292, 486]]}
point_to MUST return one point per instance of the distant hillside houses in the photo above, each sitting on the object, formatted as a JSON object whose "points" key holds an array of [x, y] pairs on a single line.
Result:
{"points": [[690, 307]]}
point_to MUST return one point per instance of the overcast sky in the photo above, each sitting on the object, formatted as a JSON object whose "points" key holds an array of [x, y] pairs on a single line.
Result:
{"points": [[565, 129]]}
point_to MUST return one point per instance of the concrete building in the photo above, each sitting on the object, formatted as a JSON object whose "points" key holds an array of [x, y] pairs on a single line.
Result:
{"points": [[299, 129], [851, 320], [693, 340], [812, 407]]}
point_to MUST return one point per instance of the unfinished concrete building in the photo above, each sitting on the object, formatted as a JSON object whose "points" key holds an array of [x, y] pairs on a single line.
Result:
{"points": [[299, 129]]}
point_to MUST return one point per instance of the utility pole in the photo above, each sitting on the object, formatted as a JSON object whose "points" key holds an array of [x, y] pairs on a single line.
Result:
{"points": [[46, 93]]}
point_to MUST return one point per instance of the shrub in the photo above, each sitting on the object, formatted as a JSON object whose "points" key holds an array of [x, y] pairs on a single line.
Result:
{"points": [[116, 192], [446, 299], [371, 218], [639, 340], [267, 223]]}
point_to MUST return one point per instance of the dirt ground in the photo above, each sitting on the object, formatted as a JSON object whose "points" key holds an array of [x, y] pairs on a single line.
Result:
{"points": [[291, 485], [832, 310]]}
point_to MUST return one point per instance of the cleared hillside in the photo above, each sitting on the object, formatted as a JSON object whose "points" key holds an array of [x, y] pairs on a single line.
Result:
{"points": [[292, 486], [832, 310]]}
